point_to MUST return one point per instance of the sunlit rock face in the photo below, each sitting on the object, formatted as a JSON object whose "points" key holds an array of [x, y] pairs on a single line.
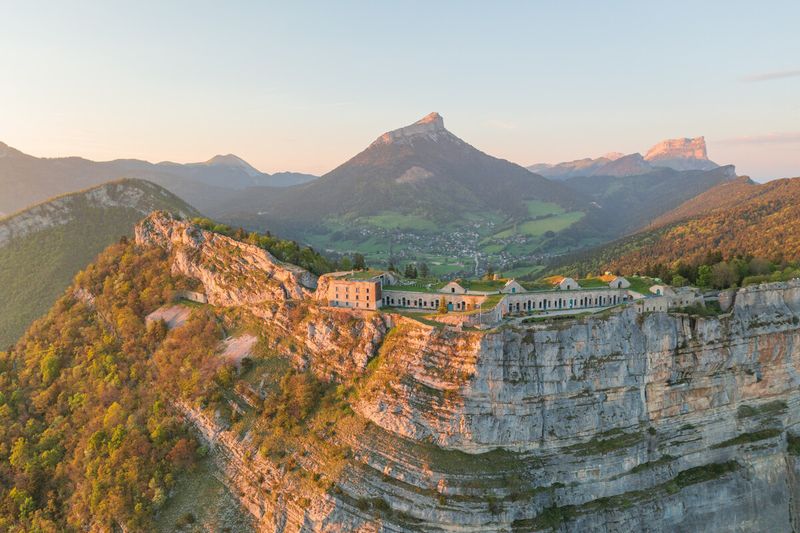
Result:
{"points": [[655, 422], [232, 273], [681, 154], [430, 127]]}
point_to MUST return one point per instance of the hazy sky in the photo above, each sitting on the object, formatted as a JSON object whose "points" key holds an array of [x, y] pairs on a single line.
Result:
{"points": [[304, 86]]}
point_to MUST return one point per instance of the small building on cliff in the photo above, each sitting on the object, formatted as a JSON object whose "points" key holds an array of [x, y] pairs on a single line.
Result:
{"points": [[353, 289], [562, 283]]}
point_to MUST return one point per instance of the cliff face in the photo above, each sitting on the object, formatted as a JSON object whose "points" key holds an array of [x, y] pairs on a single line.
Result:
{"points": [[233, 273], [656, 422], [681, 154], [659, 423]]}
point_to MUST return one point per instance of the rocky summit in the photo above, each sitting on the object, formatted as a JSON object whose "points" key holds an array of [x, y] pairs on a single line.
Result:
{"points": [[430, 126], [681, 154]]}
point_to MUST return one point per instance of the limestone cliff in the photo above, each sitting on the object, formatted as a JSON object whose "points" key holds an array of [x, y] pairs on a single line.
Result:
{"points": [[232, 272], [654, 422], [681, 154]]}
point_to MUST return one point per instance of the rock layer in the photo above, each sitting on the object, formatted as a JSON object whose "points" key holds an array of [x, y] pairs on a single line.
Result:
{"points": [[654, 422], [232, 272]]}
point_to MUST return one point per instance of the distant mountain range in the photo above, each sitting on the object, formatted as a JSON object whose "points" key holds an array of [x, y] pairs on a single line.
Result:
{"points": [[422, 190], [25, 179], [416, 193], [677, 154], [44, 246]]}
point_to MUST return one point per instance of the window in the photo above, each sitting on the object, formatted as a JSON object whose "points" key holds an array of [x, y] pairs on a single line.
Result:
{"points": [[452, 289]]}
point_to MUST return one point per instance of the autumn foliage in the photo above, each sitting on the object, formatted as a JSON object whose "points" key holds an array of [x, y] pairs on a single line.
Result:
{"points": [[88, 438]]}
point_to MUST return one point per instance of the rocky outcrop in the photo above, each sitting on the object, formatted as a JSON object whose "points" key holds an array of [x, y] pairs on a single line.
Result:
{"points": [[232, 273], [654, 422], [681, 154], [430, 127]]}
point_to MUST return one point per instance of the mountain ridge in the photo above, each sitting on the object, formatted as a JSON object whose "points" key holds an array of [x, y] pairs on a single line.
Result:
{"points": [[27, 179], [43, 246], [678, 154]]}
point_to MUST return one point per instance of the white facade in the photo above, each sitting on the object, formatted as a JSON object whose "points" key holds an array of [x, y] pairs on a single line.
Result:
{"points": [[568, 284], [453, 288], [512, 287], [619, 283], [662, 290], [544, 301]]}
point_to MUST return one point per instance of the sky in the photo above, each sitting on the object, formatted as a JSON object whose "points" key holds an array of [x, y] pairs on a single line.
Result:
{"points": [[304, 86]]}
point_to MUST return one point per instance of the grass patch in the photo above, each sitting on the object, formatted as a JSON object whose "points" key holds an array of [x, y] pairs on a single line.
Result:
{"points": [[641, 284], [793, 444], [555, 223], [652, 464], [753, 436], [607, 442], [537, 208], [554, 517], [768, 409]]}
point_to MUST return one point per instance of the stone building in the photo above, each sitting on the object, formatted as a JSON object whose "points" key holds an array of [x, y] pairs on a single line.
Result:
{"points": [[375, 289], [560, 300], [357, 290], [615, 282], [454, 287], [563, 283], [512, 286]]}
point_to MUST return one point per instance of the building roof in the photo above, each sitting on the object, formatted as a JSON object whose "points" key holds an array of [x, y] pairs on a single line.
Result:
{"points": [[356, 275]]}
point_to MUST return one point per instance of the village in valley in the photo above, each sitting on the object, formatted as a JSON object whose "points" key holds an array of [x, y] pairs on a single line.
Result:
{"points": [[493, 299]]}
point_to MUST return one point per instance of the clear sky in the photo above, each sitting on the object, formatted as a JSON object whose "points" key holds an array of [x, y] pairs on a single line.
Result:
{"points": [[304, 86]]}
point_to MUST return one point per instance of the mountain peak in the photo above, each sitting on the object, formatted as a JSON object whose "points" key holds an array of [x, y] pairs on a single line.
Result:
{"points": [[681, 154], [686, 148], [431, 127], [432, 118], [231, 160]]}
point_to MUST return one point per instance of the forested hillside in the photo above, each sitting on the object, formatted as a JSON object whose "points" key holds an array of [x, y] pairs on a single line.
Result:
{"points": [[44, 246], [86, 435], [750, 221]]}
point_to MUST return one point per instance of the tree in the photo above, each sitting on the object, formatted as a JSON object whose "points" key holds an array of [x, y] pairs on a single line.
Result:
{"points": [[723, 275], [679, 281], [346, 264], [359, 263], [392, 267], [759, 266], [442, 306], [424, 271], [411, 271], [489, 272], [704, 276]]}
